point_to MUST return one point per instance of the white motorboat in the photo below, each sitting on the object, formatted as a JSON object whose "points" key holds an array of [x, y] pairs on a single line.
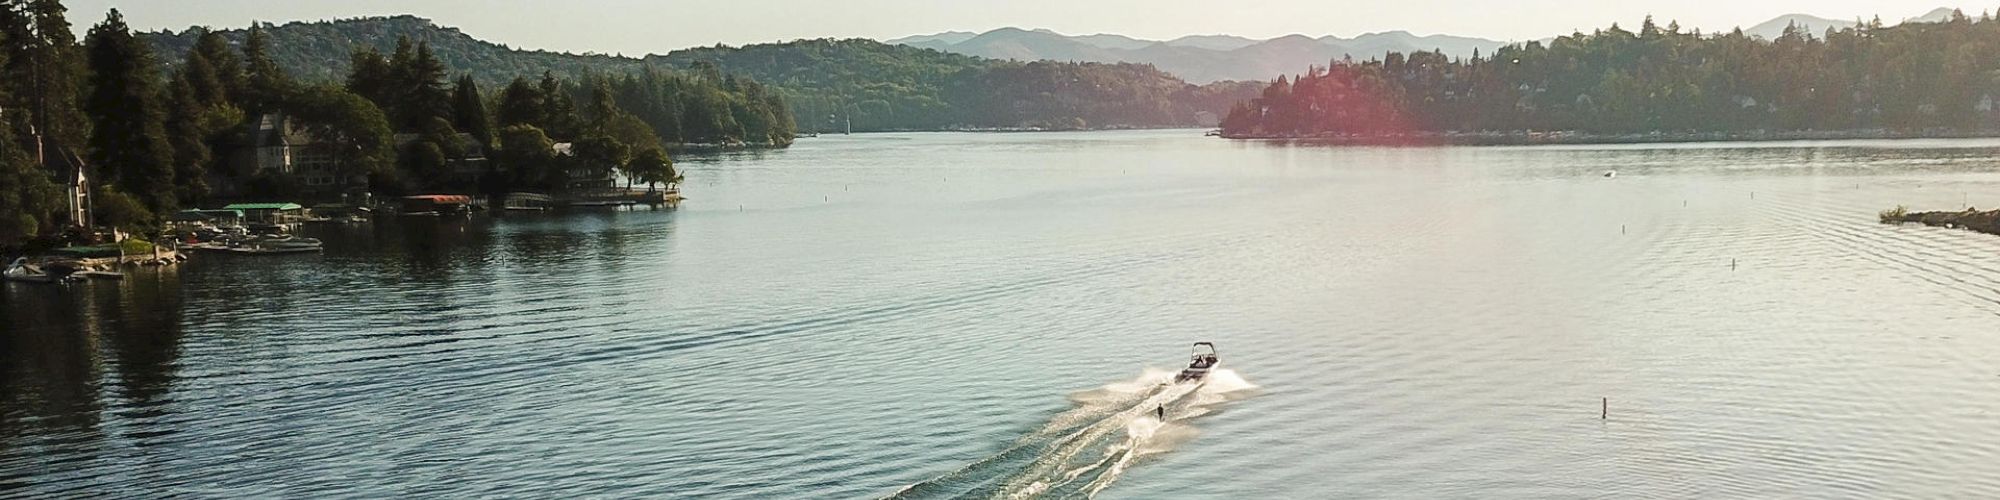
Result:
{"points": [[1203, 361]]}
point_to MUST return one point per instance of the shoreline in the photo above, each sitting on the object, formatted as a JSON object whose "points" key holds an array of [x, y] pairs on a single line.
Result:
{"points": [[1969, 219], [1530, 138]]}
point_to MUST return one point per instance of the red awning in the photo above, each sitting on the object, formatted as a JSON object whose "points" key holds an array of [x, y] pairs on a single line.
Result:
{"points": [[442, 199]]}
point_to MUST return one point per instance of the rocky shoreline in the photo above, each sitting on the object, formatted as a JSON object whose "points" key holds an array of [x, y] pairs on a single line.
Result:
{"points": [[1971, 218]]}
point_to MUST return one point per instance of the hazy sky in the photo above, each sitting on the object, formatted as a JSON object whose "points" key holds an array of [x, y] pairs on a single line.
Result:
{"points": [[635, 27]]}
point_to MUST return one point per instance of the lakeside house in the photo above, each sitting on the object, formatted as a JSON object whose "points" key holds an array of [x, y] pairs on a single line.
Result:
{"points": [[581, 175], [588, 184], [277, 143]]}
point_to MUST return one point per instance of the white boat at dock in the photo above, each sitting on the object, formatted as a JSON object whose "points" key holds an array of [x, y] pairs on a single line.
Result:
{"points": [[263, 246]]}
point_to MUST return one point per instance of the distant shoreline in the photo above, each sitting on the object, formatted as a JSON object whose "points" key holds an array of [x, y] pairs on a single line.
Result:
{"points": [[1526, 138]]}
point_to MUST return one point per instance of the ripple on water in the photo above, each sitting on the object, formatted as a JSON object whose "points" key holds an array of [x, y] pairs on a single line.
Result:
{"points": [[1422, 321]]}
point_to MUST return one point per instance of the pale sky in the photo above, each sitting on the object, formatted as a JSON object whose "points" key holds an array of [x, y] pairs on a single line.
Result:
{"points": [[637, 27]]}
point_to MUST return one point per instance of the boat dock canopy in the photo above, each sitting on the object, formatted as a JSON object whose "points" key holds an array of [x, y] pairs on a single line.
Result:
{"points": [[440, 199], [264, 206], [205, 215]]}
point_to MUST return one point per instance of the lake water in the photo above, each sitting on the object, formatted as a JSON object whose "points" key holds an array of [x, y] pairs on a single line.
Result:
{"points": [[991, 314]]}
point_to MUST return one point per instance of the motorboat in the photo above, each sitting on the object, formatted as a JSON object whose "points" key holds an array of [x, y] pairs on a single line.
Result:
{"points": [[262, 246], [1200, 363], [284, 245], [24, 272]]}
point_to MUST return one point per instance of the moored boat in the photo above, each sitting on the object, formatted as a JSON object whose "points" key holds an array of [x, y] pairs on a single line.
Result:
{"points": [[262, 246], [22, 271]]}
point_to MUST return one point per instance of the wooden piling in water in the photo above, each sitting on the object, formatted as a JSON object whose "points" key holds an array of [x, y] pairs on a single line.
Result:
{"points": [[1605, 413]]}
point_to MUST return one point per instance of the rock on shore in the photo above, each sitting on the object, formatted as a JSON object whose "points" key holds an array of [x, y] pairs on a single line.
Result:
{"points": [[1971, 218]]}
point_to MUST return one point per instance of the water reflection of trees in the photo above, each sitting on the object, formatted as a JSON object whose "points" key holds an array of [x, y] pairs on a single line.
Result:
{"points": [[74, 352]]}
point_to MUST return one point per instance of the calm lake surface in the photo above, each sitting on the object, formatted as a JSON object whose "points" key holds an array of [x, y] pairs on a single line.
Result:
{"points": [[990, 314]]}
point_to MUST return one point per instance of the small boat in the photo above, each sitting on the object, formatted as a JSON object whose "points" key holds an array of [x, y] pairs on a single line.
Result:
{"points": [[262, 246], [24, 272], [1202, 361], [273, 246]]}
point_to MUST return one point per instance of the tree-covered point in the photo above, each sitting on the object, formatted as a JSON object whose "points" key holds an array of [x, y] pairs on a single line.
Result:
{"points": [[1912, 77], [896, 87], [825, 82]]}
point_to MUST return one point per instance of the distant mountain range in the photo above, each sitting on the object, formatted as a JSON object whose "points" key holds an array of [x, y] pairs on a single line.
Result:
{"points": [[1199, 58], [1212, 58], [1817, 26]]}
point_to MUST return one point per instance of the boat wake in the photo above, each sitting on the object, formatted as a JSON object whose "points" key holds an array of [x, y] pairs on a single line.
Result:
{"points": [[1084, 450]]}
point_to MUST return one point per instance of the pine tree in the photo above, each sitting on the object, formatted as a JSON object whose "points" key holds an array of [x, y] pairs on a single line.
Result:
{"points": [[130, 145], [521, 104], [227, 63], [421, 94], [30, 201], [42, 59], [469, 111], [266, 86], [372, 77], [559, 109], [188, 136]]}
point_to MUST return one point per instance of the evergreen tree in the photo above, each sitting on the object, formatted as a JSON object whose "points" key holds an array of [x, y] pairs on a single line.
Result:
{"points": [[130, 144], [521, 104], [189, 138], [372, 78], [227, 64], [266, 85], [30, 201], [47, 72], [468, 109], [421, 95], [559, 109], [204, 82]]}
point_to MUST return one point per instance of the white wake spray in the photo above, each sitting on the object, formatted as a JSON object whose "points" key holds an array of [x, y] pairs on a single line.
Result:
{"points": [[1082, 451]]}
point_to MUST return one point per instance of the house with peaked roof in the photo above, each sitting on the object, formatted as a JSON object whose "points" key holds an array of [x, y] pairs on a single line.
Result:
{"points": [[276, 143]]}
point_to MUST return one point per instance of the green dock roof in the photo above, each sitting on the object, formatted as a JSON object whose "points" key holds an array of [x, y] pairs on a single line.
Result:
{"points": [[263, 206]]}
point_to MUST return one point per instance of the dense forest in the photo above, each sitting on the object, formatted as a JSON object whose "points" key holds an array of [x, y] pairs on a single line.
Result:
{"points": [[1914, 78], [318, 51], [827, 82], [98, 120]]}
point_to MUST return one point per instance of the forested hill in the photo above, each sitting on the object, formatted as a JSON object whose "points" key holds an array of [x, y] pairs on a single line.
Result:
{"points": [[321, 51], [880, 86], [898, 87], [1918, 78]]}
